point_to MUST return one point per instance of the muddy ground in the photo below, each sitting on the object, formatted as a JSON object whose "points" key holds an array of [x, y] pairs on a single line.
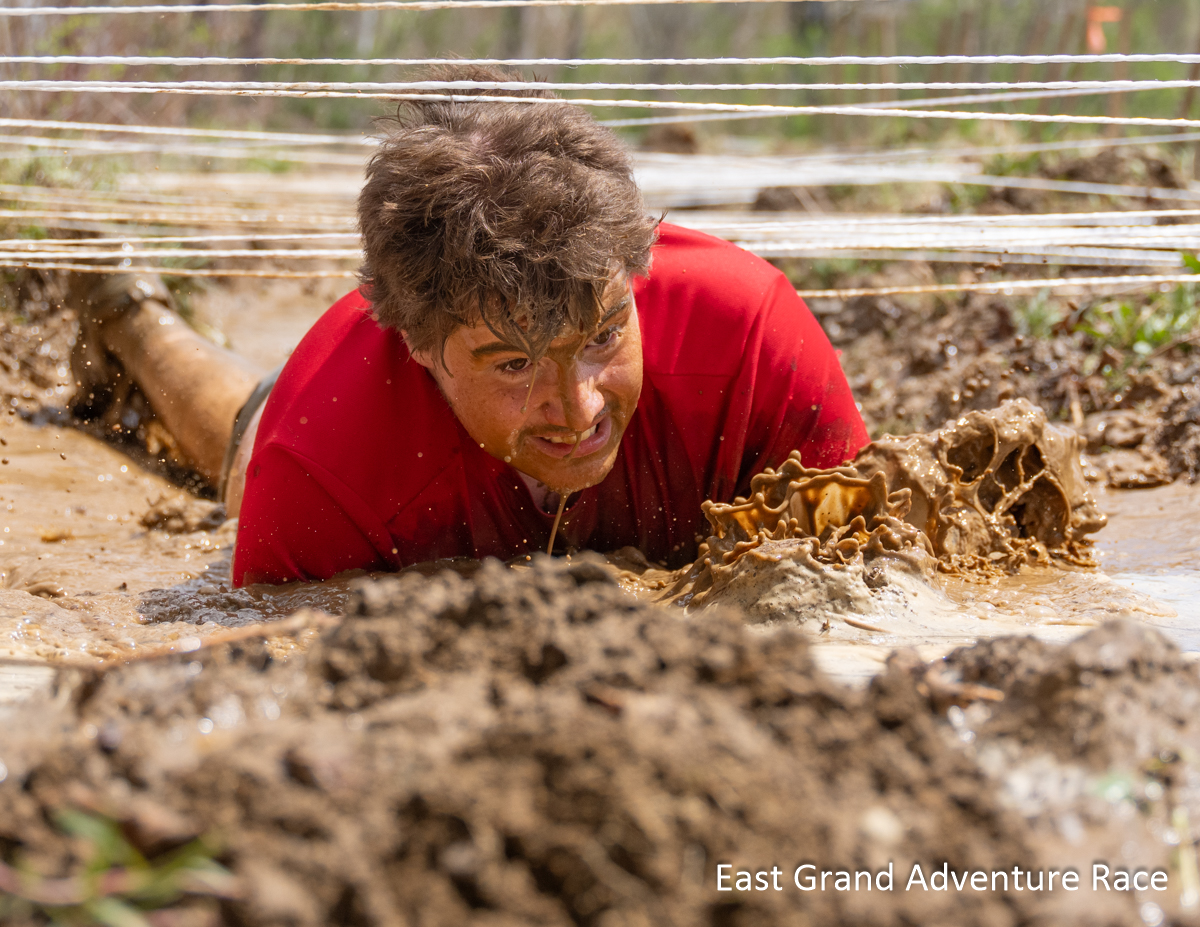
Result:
{"points": [[914, 366], [536, 746]]}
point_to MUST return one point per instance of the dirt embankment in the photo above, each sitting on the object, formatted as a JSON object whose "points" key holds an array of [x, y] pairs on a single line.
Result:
{"points": [[534, 747]]}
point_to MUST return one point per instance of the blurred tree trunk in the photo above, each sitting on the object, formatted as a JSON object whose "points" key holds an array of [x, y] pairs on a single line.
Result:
{"points": [[252, 41], [1033, 41], [1071, 38], [514, 22], [887, 47], [1116, 101], [964, 43], [1189, 94], [573, 36]]}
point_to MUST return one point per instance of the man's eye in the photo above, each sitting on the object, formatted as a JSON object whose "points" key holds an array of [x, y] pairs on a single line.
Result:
{"points": [[516, 365], [608, 336]]}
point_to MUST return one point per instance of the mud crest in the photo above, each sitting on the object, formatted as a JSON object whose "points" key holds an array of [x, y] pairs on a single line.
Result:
{"points": [[994, 488]]}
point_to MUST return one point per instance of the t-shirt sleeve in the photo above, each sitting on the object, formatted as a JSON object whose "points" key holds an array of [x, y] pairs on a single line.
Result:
{"points": [[292, 528], [799, 397]]}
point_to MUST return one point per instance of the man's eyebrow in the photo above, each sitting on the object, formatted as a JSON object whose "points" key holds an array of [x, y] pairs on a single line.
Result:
{"points": [[495, 347], [619, 307]]}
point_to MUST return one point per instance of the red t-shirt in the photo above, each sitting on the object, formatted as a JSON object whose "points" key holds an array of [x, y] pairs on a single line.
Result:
{"points": [[360, 463]]}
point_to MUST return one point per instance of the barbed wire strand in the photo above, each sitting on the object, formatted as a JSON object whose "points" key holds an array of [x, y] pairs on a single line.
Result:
{"points": [[45, 243], [827, 238], [839, 155], [1104, 243], [211, 189], [742, 230], [238, 134], [178, 271], [96, 147], [679, 86], [192, 217], [181, 219], [211, 253], [926, 252], [413, 86], [732, 226], [734, 220], [91, 147]]}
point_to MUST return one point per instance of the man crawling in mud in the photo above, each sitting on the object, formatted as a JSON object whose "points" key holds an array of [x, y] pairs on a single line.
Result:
{"points": [[526, 343]]}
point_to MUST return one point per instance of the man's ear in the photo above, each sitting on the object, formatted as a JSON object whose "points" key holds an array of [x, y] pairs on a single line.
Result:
{"points": [[424, 358]]}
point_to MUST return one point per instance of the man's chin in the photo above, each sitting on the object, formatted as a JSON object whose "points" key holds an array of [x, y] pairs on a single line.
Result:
{"points": [[570, 474]]}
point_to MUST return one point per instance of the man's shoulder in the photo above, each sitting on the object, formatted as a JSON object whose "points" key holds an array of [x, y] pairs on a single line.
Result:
{"points": [[700, 302], [351, 312], [347, 374], [687, 257]]}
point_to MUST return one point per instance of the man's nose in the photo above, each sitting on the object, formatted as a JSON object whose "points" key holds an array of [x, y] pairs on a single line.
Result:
{"points": [[579, 400]]}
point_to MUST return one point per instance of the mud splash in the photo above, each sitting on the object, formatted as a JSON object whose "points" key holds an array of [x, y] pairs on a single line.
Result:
{"points": [[805, 543], [981, 497], [994, 489]]}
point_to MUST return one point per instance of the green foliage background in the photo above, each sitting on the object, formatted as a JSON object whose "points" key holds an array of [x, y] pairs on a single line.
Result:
{"points": [[866, 27]]}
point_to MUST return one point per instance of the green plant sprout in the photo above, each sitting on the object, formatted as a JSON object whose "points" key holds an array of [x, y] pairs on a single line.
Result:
{"points": [[1039, 316], [1139, 332], [117, 885]]}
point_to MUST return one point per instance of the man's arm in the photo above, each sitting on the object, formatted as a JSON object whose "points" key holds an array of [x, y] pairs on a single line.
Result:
{"points": [[297, 524]]}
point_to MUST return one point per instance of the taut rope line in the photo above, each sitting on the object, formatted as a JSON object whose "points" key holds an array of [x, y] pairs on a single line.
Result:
{"points": [[1005, 287], [450, 86], [238, 134], [341, 6], [1095, 86], [816, 61], [209, 88], [292, 138]]}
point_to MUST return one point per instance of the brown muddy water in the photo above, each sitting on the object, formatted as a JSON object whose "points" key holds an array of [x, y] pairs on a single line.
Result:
{"points": [[83, 579]]}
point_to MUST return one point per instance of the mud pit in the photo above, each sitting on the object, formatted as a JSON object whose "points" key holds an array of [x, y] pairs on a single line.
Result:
{"points": [[111, 584]]}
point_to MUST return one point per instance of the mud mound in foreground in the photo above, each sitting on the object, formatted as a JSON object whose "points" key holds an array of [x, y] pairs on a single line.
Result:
{"points": [[534, 747]]}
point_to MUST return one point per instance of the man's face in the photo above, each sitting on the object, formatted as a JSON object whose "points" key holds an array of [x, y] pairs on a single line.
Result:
{"points": [[585, 390]]}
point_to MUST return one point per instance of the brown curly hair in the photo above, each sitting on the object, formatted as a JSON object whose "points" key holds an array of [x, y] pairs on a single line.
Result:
{"points": [[512, 213]]}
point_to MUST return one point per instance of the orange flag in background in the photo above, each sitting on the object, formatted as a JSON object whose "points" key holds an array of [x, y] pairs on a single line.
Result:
{"points": [[1097, 16]]}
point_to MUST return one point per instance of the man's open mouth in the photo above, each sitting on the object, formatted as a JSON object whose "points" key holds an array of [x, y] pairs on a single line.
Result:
{"points": [[576, 445], [573, 438]]}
